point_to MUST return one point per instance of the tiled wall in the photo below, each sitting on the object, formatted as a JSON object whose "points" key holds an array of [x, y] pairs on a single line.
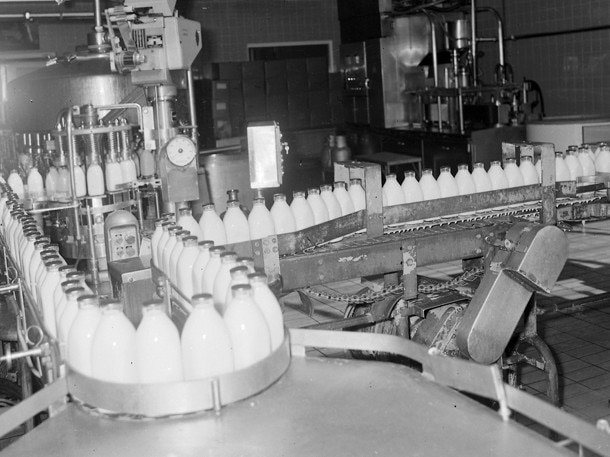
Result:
{"points": [[63, 38], [573, 69], [229, 25]]}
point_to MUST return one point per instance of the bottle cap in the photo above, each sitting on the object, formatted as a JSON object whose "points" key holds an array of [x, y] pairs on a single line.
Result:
{"points": [[355, 182], [259, 201], [76, 275], [427, 171], [206, 244], [241, 290], [180, 234], [53, 265], [159, 222], [445, 170], [209, 207], [463, 166], [258, 278], [217, 250], [202, 300], [239, 272], [69, 284], [479, 165], [166, 225], [189, 240], [277, 197], [88, 301], [173, 229], [246, 262], [326, 188], [184, 211], [494, 162], [510, 161], [526, 159], [228, 257], [75, 292], [314, 191], [67, 269], [391, 176], [409, 174], [298, 194], [233, 204], [340, 185]]}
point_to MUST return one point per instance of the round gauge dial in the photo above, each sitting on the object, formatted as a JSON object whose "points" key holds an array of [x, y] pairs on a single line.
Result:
{"points": [[181, 150]]}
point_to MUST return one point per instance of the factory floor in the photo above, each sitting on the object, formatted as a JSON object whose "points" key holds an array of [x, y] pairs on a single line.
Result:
{"points": [[573, 323]]}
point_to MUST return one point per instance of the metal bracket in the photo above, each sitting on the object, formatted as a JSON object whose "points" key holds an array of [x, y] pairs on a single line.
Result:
{"points": [[409, 270]]}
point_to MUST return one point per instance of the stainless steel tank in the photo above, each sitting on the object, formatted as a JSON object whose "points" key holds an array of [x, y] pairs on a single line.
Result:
{"points": [[35, 99]]}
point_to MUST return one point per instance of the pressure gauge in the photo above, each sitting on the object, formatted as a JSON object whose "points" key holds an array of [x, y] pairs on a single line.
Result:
{"points": [[181, 150]]}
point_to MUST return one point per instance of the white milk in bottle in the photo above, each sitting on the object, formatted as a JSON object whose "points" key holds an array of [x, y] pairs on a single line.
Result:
{"points": [[331, 202], [260, 221], [562, 172], [482, 183], [50, 181], [411, 188], [206, 344], [236, 223], [80, 337], [46, 296], [228, 260], [239, 275], [497, 177], [247, 327], [513, 174], [80, 180], [574, 165], [303, 215], [211, 225], [175, 255], [464, 180], [528, 171], [95, 178], [587, 164], [186, 261], [447, 184], [391, 192], [188, 222], [63, 182], [283, 219], [158, 349], [168, 248], [16, 183], [356, 192], [200, 264], [165, 226], [429, 186], [602, 162], [154, 239], [343, 197], [69, 313], [269, 306], [113, 350], [113, 173], [35, 184], [211, 270], [317, 205]]}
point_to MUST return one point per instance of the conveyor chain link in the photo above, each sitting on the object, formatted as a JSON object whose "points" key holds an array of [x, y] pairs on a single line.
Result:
{"points": [[373, 296]]}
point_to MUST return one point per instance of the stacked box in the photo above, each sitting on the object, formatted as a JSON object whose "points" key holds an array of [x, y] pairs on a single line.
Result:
{"points": [[317, 73], [296, 75]]}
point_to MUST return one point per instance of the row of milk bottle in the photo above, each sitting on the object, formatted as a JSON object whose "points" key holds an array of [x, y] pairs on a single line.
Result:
{"points": [[101, 342]]}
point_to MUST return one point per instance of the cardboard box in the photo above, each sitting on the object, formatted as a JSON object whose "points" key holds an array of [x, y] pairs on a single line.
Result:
{"points": [[222, 70], [255, 108], [276, 85], [317, 66], [297, 83], [275, 69], [296, 67], [317, 81], [253, 70], [253, 88]]}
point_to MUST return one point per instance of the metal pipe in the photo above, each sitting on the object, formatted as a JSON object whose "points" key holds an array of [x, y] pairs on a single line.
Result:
{"points": [[500, 37], [95, 274], [69, 134], [192, 106], [55, 208], [123, 106], [98, 14], [435, 69], [8, 288], [27, 15], [473, 40]]}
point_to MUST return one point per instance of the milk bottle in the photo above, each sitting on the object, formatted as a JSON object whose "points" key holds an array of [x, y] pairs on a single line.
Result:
{"points": [[236, 224], [16, 183], [260, 221], [602, 162], [513, 174], [114, 174], [158, 352], [63, 182], [429, 186], [343, 197], [35, 184], [239, 275], [154, 239], [228, 260], [206, 343], [61, 304], [80, 337], [69, 313], [447, 184], [175, 254], [283, 219], [269, 306], [317, 205], [129, 173], [303, 215], [200, 264], [64, 270], [391, 192], [147, 163], [247, 328], [186, 261], [528, 171], [212, 226], [480, 177], [50, 182], [188, 222], [464, 180], [587, 164], [497, 176], [95, 178], [331, 202], [411, 188], [165, 226], [356, 192], [46, 297], [562, 172], [211, 270], [80, 181], [247, 262], [574, 165], [168, 248], [113, 350]]}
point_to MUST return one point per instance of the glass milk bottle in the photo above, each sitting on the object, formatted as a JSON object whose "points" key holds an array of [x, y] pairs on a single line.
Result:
{"points": [[480, 177], [147, 164], [447, 184], [429, 186], [154, 239], [95, 177], [169, 247], [175, 254], [228, 260], [343, 197], [411, 188], [247, 327], [538, 167], [61, 304], [236, 223], [50, 182], [211, 270], [528, 171], [331, 202], [186, 261], [206, 344], [165, 226], [269, 306], [203, 257], [46, 302], [239, 275], [63, 182], [283, 219], [188, 222], [69, 313], [260, 221], [602, 161], [356, 192], [562, 172], [80, 180], [317, 205], [464, 180], [392, 193], [40, 247], [64, 270], [35, 242], [587, 164], [158, 351], [113, 350], [574, 165], [247, 262], [80, 337], [212, 226], [113, 173], [303, 215], [497, 177], [513, 174], [16, 183], [129, 173], [35, 184]]}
